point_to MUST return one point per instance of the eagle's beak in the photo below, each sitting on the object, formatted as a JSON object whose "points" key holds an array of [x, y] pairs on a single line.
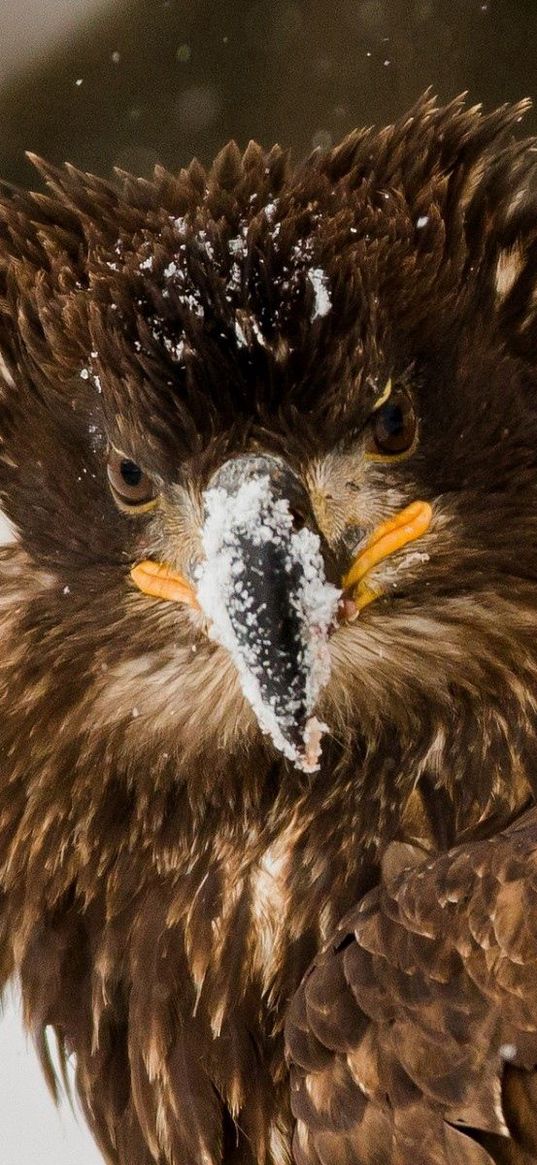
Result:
{"points": [[264, 589]]}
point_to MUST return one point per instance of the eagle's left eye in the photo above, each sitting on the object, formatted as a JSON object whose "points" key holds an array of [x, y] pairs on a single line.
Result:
{"points": [[133, 489], [393, 425]]}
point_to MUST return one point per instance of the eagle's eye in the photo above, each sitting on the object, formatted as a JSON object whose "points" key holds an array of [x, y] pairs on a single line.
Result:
{"points": [[133, 489], [393, 425]]}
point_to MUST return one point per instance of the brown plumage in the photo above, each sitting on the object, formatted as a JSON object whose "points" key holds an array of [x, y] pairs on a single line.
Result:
{"points": [[253, 963]]}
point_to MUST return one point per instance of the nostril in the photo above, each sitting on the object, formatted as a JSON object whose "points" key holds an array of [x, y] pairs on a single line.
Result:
{"points": [[299, 517], [299, 503]]}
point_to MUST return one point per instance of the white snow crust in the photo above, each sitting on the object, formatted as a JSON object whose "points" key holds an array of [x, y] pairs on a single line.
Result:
{"points": [[319, 282], [253, 511]]}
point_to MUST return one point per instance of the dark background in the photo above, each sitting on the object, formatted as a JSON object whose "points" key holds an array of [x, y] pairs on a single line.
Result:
{"points": [[166, 79]]}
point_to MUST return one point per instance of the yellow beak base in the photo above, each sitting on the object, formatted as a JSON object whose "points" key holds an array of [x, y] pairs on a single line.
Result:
{"points": [[161, 582], [389, 537]]}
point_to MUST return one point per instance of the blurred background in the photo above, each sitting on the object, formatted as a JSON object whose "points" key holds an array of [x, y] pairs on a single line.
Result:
{"points": [[127, 83], [131, 82]]}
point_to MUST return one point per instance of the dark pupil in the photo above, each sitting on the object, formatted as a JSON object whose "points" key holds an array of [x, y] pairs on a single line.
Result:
{"points": [[393, 421], [131, 473]]}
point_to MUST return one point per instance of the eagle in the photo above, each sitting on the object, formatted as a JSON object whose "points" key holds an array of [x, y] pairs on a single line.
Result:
{"points": [[268, 730]]}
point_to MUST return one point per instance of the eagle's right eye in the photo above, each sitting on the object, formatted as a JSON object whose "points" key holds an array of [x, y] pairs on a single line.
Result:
{"points": [[133, 490], [393, 426]]}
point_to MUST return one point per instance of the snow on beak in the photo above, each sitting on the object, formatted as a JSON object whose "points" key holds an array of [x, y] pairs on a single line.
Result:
{"points": [[265, 593]]}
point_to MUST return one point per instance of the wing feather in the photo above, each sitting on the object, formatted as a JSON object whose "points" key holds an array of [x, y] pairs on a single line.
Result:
{"points": [[414, 1035]]}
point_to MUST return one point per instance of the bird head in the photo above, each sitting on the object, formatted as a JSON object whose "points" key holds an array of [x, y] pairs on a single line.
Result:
{"points": [[269, 437]]}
